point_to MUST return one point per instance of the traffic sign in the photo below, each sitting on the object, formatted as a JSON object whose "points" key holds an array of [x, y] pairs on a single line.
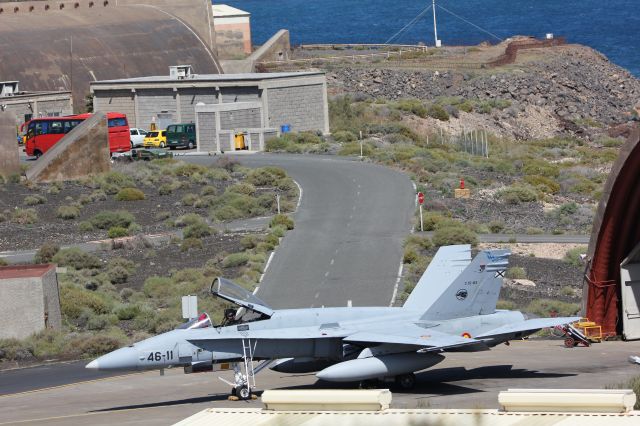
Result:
{"points": [[420, 197]]}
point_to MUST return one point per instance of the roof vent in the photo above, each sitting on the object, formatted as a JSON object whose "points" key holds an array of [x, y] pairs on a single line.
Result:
{"points": [[179, 72]]}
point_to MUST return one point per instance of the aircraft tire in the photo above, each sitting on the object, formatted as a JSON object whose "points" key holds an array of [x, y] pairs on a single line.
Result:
{"points": [[244, 393], [406, 381]]}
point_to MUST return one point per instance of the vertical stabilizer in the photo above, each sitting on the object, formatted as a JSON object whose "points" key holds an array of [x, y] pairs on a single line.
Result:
{"points": [[445, 267], [475, 291]]}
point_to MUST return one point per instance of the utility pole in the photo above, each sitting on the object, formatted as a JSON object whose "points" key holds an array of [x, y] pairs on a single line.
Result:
{"points": [[435, 25]]}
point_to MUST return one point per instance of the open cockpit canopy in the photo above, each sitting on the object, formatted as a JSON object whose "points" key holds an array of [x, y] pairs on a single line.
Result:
{"points": [[231, 292]]}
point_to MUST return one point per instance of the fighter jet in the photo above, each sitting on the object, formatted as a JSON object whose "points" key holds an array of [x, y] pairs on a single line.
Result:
{"points": [[451, 309]]}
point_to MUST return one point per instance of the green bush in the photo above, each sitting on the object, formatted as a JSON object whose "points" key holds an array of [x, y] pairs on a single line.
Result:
{"points": [[496, 226], [281, 220], [191, 244], [540, 168], [117, 232], [189, 169], [505, 304], [265, 176], [344, 136], [543, 183], [127, 312], [46, 252], [419, 241], [572, 256], [414, 106], [568, 209], [24, 216], [235, 259], [68, 212], [112, 182], [3, 262], [454, 234], [353, 148], [75, 301], [249, 241], [118, 274], [516, 273], [433, 220], [130, 194], [85, 226], [410, 255], [227, 213], [33, 200], [189, 199], [517, 194], [188, 219], [197, 230], [108, 219], [547, 308], [96, 345], [438, 112], [75, 258]]}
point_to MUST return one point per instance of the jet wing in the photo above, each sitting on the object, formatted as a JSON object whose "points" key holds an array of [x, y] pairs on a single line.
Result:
{"points": [[530, 325], [425, 340]]}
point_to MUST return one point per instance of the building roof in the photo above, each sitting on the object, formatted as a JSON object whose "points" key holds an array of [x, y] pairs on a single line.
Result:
{"points": [[25, 271], [226, 11], [214, 78]]}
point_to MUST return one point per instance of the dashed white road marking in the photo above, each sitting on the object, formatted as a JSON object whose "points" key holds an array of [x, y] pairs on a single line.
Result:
{"points": [[332, 260], [316, 296], [326, 274]]}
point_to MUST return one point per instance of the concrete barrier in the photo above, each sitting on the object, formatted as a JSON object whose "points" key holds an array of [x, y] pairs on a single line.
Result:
{"points": [[568, 400], [9, 159], [327, 399], [82, 152]]}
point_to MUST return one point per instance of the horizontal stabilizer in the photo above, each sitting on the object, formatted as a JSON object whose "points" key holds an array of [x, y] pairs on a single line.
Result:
{"points": [[527, 326]]}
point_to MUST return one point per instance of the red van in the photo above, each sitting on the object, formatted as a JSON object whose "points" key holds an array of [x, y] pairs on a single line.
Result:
{"points": [[43, 133]]}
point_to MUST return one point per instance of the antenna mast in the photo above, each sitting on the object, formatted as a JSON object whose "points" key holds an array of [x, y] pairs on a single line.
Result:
{"points": [[435, 25]]}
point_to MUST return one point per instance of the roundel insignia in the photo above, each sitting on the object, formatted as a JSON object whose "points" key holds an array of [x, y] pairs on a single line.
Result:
{"points": [[466, 335], [461, 294]]}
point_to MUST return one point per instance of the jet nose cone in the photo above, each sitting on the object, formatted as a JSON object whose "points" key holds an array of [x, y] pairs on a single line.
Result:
{"points": [[121, 359], [93, 365]]}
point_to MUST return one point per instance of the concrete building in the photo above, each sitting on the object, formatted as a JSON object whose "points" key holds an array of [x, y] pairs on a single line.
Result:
{"points": [[29, 300], [27, 105], [233, 31], [258, 104]]}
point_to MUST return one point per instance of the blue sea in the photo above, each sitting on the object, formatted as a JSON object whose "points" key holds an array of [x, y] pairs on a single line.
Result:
{"points": [[610, 26]]}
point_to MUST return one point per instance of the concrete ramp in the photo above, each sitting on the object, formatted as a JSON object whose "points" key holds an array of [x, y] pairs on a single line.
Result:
{"points": [[9, 159], [82, 152]]}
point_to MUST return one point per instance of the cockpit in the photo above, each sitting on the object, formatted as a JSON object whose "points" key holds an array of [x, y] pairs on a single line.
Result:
{"points": [[249, 307]]}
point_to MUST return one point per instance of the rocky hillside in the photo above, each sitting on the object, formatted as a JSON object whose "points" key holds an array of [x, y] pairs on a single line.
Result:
{"points": [[550, 91]]}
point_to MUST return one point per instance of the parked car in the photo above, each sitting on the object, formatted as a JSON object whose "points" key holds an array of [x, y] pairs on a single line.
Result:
{"points": [[156, 138], [181, 136], [137, 137]]}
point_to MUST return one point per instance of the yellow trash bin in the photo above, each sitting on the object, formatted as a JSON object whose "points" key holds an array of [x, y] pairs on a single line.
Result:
{"points": [[239, 141]]}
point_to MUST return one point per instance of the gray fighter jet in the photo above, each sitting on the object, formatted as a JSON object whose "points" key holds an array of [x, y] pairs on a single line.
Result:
{"points": [[452, 309]]}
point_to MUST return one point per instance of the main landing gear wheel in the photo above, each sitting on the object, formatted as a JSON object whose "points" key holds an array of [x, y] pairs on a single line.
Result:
{"points": [[406, 381], [244, 393]]}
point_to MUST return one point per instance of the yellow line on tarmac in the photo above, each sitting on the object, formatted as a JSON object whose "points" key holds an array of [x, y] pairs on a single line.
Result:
{"points": [[71, 384]]}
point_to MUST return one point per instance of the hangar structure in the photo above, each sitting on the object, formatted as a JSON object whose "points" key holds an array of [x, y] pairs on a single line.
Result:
{"points": [[612, 279], [221, 105], [63, 45]]}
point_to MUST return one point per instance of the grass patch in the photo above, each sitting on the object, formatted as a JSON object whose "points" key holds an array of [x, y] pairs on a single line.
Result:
{"points": [[24, 216], [454, 234], [282, 220], [76, 258], [117, 232], [549, 308], [572, 256], [34, 200], [108, 219], [516, 273], [46, 252], [130, 194], [68, 212]]}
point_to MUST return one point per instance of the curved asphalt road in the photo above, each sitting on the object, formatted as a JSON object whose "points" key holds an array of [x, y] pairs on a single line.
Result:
{"points": [[347, 244]]}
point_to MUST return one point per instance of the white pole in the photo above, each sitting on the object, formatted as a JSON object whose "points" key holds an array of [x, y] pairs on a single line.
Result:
{"points": [[421, 222], [361, 144], [278, 202], [435, 26]]}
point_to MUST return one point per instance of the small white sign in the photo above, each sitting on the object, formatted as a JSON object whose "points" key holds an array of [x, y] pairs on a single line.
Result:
{"points": [[189, 307]]}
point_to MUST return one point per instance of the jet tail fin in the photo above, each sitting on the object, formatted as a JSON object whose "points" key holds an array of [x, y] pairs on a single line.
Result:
{"points": [[445, 267], [474, 291]]}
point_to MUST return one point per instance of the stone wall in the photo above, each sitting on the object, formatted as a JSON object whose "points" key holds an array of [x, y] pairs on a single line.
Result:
{"points": [[38, 105], [9, 159], [29, 300], [302, 107]]}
